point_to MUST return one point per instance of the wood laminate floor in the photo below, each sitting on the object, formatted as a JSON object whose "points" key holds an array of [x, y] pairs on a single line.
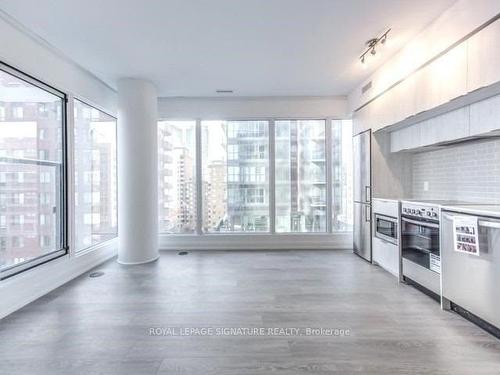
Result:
{"points": [[102, 325]]}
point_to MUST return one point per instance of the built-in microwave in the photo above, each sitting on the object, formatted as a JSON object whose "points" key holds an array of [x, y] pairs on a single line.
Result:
{"points": [[386, 228]]}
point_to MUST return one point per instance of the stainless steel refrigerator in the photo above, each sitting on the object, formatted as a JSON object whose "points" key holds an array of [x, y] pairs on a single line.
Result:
{"points": [[362, 195]]}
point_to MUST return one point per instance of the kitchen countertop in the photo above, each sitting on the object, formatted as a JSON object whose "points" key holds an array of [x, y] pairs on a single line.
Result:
{"points": [[385, 199], [477, 210]]}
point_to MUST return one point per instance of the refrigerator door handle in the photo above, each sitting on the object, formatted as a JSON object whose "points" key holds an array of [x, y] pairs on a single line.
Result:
{"points": [[368, 214], [368, 193]]}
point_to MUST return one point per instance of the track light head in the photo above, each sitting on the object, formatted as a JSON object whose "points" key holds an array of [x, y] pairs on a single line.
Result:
{"points": [[371, 45]]}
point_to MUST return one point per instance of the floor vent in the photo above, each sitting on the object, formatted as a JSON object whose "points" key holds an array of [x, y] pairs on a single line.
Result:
{"points": [[96, 274], [182, 253]]}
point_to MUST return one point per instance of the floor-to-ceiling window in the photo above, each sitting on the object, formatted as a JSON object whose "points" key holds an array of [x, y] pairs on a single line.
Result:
{"points": [[32, 172], [95, 176], [300, 172], [235, 171], [177, 176], [232, 191], [342, 176]]}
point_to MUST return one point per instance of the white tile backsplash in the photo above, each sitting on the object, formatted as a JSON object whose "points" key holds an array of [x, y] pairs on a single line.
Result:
{"points": [[469, 172]]}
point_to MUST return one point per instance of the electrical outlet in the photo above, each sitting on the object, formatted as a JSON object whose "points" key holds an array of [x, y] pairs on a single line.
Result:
{"points": [[426, 185]]}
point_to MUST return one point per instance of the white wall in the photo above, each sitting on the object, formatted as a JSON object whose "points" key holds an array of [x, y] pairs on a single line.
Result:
{"points": [[457, 22], [264, 107], [30, 55], [281, 241]]}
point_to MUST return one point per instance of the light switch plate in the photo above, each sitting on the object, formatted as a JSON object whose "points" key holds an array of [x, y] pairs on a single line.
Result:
{"points": [[426, 185]]}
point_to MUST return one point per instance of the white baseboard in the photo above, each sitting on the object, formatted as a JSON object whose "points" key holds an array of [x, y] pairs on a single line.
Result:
{"points": [[19, 290], [307, 241]]}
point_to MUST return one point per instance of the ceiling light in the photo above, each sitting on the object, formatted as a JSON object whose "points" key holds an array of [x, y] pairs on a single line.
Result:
{"points": [[371, 45]]}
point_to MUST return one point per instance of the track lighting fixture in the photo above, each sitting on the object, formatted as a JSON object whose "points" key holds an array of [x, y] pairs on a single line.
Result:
{"points": [[371, 46]]}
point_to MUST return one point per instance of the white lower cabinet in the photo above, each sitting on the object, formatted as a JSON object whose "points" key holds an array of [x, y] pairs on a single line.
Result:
{"points": [[386, 255]]}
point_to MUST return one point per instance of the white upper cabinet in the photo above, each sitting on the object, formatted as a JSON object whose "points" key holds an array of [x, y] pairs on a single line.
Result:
{"points": [[465, 68], [442, 80], [485, 116], [484, 57], [447, 127]]}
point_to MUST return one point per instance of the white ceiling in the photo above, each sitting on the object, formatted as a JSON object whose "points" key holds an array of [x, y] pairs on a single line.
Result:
{"points": [[254, 47]]}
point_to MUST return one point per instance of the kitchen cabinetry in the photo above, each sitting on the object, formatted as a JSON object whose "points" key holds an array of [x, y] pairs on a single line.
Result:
{"points": [[485, 116], [451, 125], [447, 127], [467, 67], [484, 57], [442, 80]]}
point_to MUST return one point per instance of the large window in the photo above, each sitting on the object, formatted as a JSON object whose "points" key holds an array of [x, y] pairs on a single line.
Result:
{"points": [[312, 182], [235, 186], [177, 176], [300, 176], [342, 176], [32, 172], [95, 176]]}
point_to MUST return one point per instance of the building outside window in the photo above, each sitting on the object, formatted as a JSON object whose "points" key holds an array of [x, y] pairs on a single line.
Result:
{"points": [[31, 182], [235, 157], [95, 176], [342, 176], [235, 181], [177, 176], [300, 176]]}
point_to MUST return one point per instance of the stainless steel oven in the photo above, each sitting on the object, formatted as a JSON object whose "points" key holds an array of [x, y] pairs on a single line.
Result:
{"points": [[386, 228], [420, 243], [420, 253]]}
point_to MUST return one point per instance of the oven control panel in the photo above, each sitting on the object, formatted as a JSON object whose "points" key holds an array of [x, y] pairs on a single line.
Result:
{"points": [[420, 211]]}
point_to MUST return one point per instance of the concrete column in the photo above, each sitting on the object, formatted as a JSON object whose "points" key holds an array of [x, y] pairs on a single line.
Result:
{"points": [[137, 172]]}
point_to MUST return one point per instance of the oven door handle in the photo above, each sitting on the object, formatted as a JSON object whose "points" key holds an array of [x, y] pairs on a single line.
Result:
{"points": [[489, 224], [421, 223]]}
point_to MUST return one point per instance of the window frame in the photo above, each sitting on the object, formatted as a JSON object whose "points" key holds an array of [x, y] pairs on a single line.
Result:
{"points": [[329, 123], [62, 228], [270, 162], [84, 250]]}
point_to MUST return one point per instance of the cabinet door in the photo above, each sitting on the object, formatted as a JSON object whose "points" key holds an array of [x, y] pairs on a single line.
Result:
{"points": [[449, 126], [442, 80], [361, 121], [406, 138], [404, 99], [485, 116], [484, 57]]}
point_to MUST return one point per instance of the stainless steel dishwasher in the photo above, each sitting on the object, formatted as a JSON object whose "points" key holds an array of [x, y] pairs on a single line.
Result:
{"points": [[471, 281]]}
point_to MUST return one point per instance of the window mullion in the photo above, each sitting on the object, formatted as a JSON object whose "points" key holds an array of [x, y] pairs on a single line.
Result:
{"points": [[272, 175], [199, 179], [329, 170], [70, 150]]}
